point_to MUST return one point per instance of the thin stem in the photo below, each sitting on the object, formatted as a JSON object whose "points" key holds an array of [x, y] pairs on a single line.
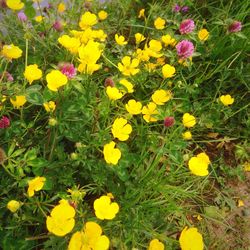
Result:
{"points": [[26, 52]]}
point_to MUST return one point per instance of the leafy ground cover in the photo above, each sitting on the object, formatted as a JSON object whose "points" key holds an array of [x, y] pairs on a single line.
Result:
{"points": [[124, 125]]}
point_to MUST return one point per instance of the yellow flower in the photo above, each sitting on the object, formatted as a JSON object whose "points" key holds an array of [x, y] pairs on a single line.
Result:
{"points": [[203, 34], [128, 67], [168, 40], [111, 154], [32, 73], [191, 239], [133, 107], [39, 19], [18, 101], [35, 184], [246, 166], [121, 129], [187, 135], [139, 38], [142, 55], [70, 43], [90, 238], [13, 205], [241, 203], [105, 209], [150, 67], [226, 100], [15, 4], [154, 48], [168, 71], [87, 20], [113, 93], [161, 96], [155, 244], [128, 85], [55, 80], [52, 122], [102, 15], [61, 7], [148, 112], [141, 13], [188, 120], [120, 40], [61, 220], [198, 165], [159, 23], [49, 106], [11, 51]]}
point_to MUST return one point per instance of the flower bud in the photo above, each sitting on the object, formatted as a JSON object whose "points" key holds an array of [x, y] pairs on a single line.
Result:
{"points": [[52, 122], [169, 121], [13, 205]]}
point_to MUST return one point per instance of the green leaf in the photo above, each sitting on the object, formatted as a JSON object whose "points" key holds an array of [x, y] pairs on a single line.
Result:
{"points": [[78, 86], [33, 88], [35, 98], [29, 10]]}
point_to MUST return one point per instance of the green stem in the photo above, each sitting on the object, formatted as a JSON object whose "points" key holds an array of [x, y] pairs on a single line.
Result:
{"points": [[26, 52], [8, 172], [3, 73], [109, 61]]}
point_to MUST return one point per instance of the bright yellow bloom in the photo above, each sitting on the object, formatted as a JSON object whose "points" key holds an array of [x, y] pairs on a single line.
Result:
{"points": [[120, 40], [128, 67], [155, 244], [121, 129], [203, 34], [15, 4], [70, 43], [150, 67], [226, 100], [246, 166], [191, 239], [141, 13], [55, 80], [187, 135], [139, 38], [142, 55], [90, 238], [13, 205], [39, 19], [113, 93], [61, 220], [32, 73], [168, 40], [87, 20], [241, 203], [133, 107], [102, 15], [198, 165], [49, 106], [105, 209], [11, 51], [18, 101], [161, 96], [35, 184], [61, 7], [149, 111], [168, 71], [188, 120], [159, 23], [128, 85], [111, 154], [154, 48]]}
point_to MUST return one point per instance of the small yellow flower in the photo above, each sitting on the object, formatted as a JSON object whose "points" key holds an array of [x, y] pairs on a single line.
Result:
{"points": [[13, 205], [154, 48], [113, 93], [198, 165], [149, 111], [11, 51], [159, 23], [52, 122], [168, 71], [49, 106], [120, 40], [111, 154], [188, 120], [191, 239], [35, 184], [61, 7], [70, 43], [241, 203], [133, 107], [39, 19], [32, 73], [155, 244], [139, 38], [87, 20], [128, 67], [128, 85], [102, 15], [203, 34], [141, 13], [121, 129], [187, 135], [168, 40], [161, 96], [226, 100], [105, 209], [246, 166], [15, 4], [18, 101], [55, 80]]}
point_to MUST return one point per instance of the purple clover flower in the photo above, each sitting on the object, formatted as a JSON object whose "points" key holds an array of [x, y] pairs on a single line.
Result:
{"points": [[184, 9], [4, 122], [177, 8], [235, 26], [185, 49], [187, 26], [68, 70], [58, 26], [169, 121], [21, 16]]}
